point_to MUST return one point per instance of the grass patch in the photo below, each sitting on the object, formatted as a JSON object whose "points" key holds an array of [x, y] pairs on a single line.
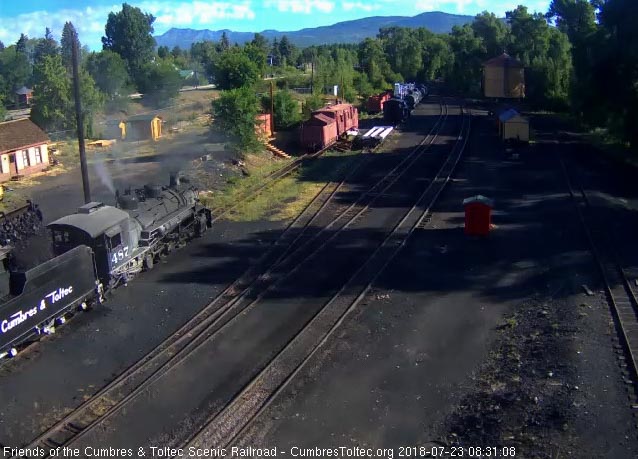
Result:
{"points": [[286, 198]]}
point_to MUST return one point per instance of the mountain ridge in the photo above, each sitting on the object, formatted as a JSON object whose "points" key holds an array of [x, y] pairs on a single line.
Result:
{"points": [[352, 31]]}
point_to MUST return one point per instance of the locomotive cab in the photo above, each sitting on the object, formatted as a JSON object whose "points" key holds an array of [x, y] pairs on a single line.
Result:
{"points": [[105, 229]]}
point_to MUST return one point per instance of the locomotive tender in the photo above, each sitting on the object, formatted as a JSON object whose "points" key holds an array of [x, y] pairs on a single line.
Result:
{"points": [[97, 248]]}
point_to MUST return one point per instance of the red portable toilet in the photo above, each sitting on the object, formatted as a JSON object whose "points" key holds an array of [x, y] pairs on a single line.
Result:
{"points": [[478, 215]]}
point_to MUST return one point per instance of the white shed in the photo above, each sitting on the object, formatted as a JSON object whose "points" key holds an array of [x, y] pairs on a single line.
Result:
{"points": [[513, 126]]}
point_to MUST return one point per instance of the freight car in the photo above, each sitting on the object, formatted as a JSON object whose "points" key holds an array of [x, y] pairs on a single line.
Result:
{"points": [[413, 98], [328, 124], [395, 111], [375, 103], [97, 248]]}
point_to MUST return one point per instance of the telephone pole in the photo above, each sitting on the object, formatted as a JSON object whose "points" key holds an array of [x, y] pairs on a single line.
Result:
{"points": [[80, 120], [272, 109]]}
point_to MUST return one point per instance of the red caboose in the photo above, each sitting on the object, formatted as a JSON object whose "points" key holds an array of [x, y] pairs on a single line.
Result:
{"points": [[345, 115], [318, 132]]}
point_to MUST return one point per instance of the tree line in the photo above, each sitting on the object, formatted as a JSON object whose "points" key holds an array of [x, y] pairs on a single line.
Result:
{"points": [[580, 55]]}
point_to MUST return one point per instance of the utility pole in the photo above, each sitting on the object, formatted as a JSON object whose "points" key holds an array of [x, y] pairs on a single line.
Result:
{"points": [[80, 120], [272, 109], [312, 77]]}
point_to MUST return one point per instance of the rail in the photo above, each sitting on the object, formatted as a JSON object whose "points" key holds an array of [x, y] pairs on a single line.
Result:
{"points": [[239, 414], [221, 310]]}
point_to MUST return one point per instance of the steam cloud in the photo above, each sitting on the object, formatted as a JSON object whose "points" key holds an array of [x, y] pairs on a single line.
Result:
{"points": [[104, 175]]}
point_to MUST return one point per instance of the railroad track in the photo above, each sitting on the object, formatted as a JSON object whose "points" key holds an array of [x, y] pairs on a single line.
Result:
{"points": [[269, 180], [115, 393], [205, 324], [621, 295], [238, 415]]}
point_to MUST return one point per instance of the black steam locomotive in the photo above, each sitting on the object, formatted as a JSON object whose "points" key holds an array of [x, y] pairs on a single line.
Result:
{"points": [[97, 248]]}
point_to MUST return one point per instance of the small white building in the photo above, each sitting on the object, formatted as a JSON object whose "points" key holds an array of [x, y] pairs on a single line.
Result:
{"points": [[512, 126], [23, 149]]}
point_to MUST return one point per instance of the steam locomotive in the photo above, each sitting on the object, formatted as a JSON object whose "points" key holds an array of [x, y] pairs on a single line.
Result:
{"points": [[97, 248]]}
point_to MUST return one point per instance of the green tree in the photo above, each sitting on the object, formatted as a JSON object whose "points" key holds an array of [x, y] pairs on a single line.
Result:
{"points": [[52, 94], [374, 63], [53, 103], [224, 43], [312, 103], [21, 45], [234, 69], [616, 68], [403, 50], [235, 111], [286, 51], [92, 102], [46, 46], [162, 52], [286, 109], [3, 110], [69, 35], [205, 53], [465, 74], [160, 83], [493, 33], [14, 71], [177, 52], [261, 43], [257, 55], [108, 70], [129, 34]]}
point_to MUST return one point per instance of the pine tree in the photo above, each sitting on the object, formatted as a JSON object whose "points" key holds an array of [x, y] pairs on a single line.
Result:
{"points": [[69, 35]]}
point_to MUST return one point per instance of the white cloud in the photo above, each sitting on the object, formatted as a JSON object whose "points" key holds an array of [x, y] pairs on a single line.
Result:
{"points": [[300, 6], [90, 21], [360, 6]]}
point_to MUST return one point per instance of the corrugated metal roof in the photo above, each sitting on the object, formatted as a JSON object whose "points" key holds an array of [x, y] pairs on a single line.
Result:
{"points": [[503, 60], [335, 108], [321, 117], [95, 223], [509, 115], [19, 134], [24, 90]]}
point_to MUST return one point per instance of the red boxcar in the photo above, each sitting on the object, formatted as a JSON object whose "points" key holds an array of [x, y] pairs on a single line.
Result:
{"points": [[318, 132], [346, 116], [375, 103]]}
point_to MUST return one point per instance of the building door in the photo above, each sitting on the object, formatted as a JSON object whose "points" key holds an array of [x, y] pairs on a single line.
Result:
{"points": [[14, 164]]}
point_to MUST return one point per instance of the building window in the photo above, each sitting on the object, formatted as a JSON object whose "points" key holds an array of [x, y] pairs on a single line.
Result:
{"points": [[38, 155], [25, 158]]}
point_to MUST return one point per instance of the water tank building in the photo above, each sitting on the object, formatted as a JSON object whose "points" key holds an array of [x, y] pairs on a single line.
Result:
{"points": [[503, 78]]}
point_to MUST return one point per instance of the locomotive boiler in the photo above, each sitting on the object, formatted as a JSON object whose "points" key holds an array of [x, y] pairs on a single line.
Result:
{"points": [[96, 248]]}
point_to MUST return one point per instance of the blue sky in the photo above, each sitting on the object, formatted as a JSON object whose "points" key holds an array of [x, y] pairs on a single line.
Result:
{"points": [[89, 17]]}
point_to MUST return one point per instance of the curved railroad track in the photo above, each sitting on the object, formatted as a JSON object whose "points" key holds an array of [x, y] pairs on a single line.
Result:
{"points": [[295, 241], [237, 416], [620, 293]]}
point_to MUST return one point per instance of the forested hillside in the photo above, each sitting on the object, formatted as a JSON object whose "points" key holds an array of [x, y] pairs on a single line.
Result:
{"points": [[341, 32]]}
